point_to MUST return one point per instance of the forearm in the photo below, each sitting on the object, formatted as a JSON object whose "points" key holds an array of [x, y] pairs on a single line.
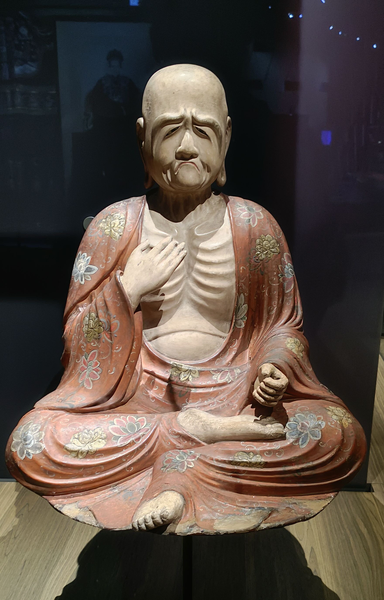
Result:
{"points": [[102, 345]]}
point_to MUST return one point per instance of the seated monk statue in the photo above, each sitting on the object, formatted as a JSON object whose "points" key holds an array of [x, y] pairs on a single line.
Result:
{"points": [[188, 401]]}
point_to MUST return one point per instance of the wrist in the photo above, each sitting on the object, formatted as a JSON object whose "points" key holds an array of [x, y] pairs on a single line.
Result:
{"points": [[131, 292]]}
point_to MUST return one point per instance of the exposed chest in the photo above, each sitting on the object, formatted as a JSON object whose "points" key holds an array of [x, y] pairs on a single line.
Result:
{"points": [[205, 280]]}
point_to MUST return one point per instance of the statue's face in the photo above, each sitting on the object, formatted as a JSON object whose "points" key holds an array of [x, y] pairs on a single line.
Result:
{"points": [[187, 134]]}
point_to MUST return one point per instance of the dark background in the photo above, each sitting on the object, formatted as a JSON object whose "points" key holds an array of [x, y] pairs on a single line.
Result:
{"points": [[307, 104]]}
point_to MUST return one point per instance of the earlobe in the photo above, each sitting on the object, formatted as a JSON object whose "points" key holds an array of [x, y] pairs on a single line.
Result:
{"points": [[140, 128], [228, 132], [140, 134], [222, 176]]}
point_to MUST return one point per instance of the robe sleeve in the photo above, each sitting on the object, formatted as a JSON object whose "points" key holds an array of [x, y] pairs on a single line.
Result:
{"points": [[102, 336], [278, 336]]}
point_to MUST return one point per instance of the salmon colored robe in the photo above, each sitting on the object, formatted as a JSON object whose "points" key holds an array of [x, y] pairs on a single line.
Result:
{"points": [[108, 438]]}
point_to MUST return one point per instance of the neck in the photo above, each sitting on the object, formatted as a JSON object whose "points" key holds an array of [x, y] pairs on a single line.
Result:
{"points": [[175, 207]]}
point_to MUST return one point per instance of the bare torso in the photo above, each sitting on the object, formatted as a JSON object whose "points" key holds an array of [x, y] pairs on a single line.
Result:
{"points": [[189, 317]]}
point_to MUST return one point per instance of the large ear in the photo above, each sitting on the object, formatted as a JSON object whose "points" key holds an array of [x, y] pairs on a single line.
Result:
{"points": [[140, 134], [222, 176], [228, 134]]}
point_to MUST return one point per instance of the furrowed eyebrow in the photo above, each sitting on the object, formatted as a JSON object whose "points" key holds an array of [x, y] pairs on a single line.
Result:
{"points": [[209, 122], [166, 119], [170, 119]]}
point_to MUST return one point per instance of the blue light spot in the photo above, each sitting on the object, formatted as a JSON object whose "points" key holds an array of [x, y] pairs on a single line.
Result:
{"points": [[300, 16], [323, 1], [134, 2], [269, 7], [290, 15], [358, 39], [340, 33], [331, 27], [374, 45], [326, 138]]}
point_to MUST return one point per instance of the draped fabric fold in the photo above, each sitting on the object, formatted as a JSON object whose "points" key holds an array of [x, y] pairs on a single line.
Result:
{"points": [[109, 436]]}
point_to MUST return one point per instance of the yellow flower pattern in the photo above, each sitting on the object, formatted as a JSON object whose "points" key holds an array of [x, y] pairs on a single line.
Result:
{"points": [[92, 327], [296, 346], [113, 225], [86, 442], [247, 459], [266, 248], [183, 372], [340, 415]]}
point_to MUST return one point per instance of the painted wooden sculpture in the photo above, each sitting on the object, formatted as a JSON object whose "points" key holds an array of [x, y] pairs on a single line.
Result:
{"points": [[183, 315]]}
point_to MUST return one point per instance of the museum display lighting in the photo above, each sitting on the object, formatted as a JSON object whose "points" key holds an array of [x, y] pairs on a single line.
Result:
{"points": [[291, 15]]}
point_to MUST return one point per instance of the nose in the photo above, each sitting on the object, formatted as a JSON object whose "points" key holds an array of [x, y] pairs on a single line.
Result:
{"points": [[187, 148]]}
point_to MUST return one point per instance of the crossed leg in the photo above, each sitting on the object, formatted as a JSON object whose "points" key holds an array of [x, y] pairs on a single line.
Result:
{"points": [[167, 506]]}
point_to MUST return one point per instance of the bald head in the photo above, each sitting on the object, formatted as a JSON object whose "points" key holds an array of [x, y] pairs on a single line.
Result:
{"points": [[189, 83], [185, 130]]}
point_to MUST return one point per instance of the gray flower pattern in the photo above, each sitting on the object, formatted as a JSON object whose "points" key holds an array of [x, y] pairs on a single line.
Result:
{"points": [[28, 440], [240, 312], [303, 427], [179, 460], [82, 270]]}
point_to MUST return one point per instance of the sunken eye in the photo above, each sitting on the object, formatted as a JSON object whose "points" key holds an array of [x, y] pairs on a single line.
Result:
{"points": [[171, 132], [201, 132]]}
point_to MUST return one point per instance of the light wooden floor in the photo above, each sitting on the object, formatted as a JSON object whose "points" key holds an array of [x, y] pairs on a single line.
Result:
{"points": [[337, 555]]}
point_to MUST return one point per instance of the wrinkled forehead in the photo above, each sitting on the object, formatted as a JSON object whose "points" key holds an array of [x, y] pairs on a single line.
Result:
{"points": [[198, 93]]}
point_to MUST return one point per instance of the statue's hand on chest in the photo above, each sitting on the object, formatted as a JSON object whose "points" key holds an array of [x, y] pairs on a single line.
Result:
{"points": [[149, 268]]}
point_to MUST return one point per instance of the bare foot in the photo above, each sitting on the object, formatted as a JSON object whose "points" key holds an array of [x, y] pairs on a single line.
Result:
{"points": [[161, 510], [210, 428]]}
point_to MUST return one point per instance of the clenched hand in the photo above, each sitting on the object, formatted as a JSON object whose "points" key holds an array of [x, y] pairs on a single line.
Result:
{"points": [[270, 385]]}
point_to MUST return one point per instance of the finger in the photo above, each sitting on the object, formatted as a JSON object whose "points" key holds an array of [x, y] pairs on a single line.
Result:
{"points": [[282, 381], [266, 370], [275, 384], [168, 250], [266, 396], [261, 400], [270, 398], [144, 245], [161, 245], [174, 259], [176, 251], [178, 259], [268, 390]]}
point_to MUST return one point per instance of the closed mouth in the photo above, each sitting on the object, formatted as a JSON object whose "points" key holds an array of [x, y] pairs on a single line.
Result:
{"points": [[186, 162]]}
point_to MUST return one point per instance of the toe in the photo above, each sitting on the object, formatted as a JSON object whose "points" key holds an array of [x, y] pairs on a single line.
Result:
{"points": [[148, 522], [157, 520], [141, 524], [164, 515], [267, 420], [135, 525]]}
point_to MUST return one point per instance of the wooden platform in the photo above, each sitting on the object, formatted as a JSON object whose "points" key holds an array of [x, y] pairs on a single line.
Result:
{"points": [[337, 555]]}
